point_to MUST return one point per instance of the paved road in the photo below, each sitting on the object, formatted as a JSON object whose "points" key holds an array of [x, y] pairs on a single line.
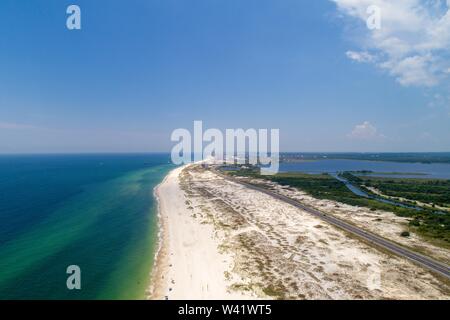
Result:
{"points": [[417, 258]]}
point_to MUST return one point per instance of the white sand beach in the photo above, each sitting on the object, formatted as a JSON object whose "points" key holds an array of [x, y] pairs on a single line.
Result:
{"points": [[221, 240], [189, 264]]}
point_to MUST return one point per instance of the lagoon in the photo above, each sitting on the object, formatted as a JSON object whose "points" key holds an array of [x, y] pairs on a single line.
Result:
{"points": [[383, 168]]}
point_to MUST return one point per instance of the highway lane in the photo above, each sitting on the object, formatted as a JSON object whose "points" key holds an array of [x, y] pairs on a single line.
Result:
{"points": [[390, 246]]}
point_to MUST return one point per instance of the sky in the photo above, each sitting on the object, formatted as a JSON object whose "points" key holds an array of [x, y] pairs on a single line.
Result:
{"points": [[139, 69]]}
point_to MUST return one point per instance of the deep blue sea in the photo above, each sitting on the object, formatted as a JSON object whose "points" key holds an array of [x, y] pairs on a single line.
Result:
{"points": [[93, 211]]}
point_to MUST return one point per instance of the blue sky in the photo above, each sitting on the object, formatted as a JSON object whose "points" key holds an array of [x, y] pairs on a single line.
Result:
{"points": [[139, 69]]}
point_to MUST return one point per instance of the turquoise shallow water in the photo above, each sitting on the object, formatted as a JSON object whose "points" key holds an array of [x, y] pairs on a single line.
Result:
{"points": [[94, 211]]}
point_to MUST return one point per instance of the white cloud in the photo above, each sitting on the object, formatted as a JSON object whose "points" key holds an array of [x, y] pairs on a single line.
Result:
{"points": [[413, 42], [413, 71], [365, 131], [362, 56]]}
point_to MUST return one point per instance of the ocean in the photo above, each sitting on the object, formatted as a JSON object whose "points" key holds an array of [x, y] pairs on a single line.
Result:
{"points": [[94, 211]]}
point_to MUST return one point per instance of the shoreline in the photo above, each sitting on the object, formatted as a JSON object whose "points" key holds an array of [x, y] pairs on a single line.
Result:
{"points": [[189, 262], [155, 286]]}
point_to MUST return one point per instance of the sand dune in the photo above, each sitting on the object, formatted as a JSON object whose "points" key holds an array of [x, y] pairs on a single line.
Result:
{"points": [[221, 240]]}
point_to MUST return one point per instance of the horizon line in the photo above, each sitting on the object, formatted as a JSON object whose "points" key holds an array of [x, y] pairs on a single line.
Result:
{"points": [[168, 152]]}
